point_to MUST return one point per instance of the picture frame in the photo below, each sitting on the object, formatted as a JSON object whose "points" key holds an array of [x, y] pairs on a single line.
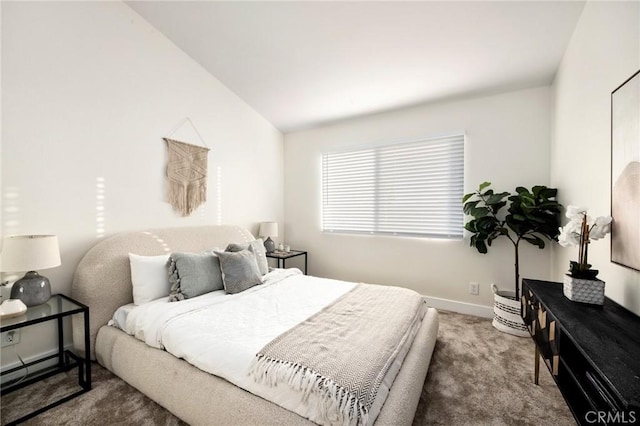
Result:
{"points": [[625, 173]]}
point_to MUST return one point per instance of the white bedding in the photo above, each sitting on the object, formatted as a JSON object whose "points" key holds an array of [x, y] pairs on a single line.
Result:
{"points": [[221, 333]]}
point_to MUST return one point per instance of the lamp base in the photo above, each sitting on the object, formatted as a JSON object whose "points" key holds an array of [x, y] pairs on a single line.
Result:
{"points": [[33, 289], [269, 245]]}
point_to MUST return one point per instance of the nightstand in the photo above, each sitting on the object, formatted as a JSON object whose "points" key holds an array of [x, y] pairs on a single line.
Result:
{"points": [[55, 309], [282, 257]]}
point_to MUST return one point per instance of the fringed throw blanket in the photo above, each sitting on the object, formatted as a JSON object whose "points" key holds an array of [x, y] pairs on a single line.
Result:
{"points": [[343, 353], [187, 175]]}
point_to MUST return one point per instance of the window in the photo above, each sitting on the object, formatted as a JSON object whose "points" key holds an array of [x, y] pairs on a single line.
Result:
{"points": [[412, 189]]}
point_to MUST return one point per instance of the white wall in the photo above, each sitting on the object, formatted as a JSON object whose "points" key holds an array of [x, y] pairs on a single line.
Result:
{"points": [[507, 143], [604, 51], [88, 91]]}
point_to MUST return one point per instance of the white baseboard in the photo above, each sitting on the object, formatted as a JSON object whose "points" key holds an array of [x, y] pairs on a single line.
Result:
{"points": [[460, 307], [8, 352]]}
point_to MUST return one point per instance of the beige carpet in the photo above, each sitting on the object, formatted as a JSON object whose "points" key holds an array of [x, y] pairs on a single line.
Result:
{"points": [[478, 376]]}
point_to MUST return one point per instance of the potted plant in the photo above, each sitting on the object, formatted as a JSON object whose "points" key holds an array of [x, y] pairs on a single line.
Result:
{"points": [[531, 216], [581, 284]]}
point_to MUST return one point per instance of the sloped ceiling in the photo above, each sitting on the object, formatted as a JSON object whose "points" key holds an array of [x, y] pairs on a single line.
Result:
{"points": [[302, 64]]}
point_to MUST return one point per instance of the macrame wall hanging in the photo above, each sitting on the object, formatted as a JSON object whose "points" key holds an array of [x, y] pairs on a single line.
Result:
{"points": [[186, 173]]}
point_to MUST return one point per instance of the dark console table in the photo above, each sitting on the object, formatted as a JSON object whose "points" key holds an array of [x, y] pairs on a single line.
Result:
{"points": [[593, 352]]}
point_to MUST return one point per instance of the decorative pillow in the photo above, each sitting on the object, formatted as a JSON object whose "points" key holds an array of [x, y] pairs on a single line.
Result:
{"points": [[239, 271], [193, 274], [257, 247], [149, 277]]}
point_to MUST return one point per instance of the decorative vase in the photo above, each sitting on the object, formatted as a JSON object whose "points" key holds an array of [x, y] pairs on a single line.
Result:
{"points": [[33, 289], [269, 245], [583, 290], [506, 313]]}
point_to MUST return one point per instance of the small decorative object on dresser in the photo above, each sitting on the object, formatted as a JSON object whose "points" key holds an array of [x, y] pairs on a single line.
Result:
{"points": [[581, 284], [28, 253], [268, 230]]}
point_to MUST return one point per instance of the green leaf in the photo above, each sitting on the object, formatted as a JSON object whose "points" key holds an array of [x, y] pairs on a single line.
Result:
{"points": [[494, 199], [541, 191], [483, 185], [497, 207], [481, 247], [536, 241], [550, 205], [527, 201], [536, 219], [468, 207], [517, 229], [486, 224], [479, 212], [467, 196]]}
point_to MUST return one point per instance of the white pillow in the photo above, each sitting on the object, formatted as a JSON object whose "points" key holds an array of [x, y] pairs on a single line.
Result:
{"points": [[150, 277]]}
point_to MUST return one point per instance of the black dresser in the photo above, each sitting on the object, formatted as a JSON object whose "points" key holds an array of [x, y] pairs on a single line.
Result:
{"points": [[593, 352]]}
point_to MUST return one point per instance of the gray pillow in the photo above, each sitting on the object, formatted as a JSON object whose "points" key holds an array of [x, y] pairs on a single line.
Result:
{"points": [[257, 247], [239, 270], [193, 274]]}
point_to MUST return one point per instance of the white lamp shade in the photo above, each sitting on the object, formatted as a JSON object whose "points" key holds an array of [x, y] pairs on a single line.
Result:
{"points": [[29, 253], [268, 229]]}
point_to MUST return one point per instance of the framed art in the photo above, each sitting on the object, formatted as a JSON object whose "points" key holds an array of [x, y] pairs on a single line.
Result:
{"points": [[625, 173]]}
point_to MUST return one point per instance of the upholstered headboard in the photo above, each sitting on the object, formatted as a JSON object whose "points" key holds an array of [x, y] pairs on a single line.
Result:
{"points": [[103, 277]]}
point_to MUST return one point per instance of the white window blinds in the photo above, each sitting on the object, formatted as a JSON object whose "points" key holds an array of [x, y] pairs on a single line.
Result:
{"points": [[412, 189]]}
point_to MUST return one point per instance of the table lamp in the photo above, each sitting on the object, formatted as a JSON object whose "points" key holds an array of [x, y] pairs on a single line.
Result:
{"points": [[28, 253], [269, 229]]}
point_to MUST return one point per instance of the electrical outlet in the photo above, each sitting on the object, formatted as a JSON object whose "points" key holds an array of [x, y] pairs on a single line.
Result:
{"points": [[474, 288], [10, 338]]}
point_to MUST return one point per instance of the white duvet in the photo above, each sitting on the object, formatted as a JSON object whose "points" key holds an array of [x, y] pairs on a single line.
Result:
{"points": [[222, 333]]}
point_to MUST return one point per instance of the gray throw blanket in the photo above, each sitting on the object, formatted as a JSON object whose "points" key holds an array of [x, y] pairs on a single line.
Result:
{"points": [[342, 353]]}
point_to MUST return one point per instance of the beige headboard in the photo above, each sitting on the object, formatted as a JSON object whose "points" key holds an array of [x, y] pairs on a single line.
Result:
{"points": [[103, 278]]}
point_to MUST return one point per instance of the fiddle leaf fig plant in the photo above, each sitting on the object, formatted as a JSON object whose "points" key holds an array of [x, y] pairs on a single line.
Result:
{"points": [[531, 216]]}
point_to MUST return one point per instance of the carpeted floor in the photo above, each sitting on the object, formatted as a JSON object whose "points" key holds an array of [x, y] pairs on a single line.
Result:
{"points": [[478, 376]]}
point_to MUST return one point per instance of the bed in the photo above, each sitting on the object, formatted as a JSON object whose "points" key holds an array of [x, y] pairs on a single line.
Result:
{"points": [[103, 282]]}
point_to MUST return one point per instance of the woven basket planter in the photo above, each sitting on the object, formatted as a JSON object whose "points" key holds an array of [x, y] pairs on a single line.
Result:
{"points": [[506, 313], [583, 290]]}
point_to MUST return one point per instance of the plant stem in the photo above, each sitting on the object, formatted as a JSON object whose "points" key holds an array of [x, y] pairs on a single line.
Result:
{"points": [[517, 270], [584, 241], [514, 242]]}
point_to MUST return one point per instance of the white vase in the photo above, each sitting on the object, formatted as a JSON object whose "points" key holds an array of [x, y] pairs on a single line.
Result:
{"points": [[507, 313], [583, 290]]}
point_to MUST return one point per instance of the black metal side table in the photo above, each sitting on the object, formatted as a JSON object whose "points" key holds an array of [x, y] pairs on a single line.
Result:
{"points": [[282, 256], [56, 308]]}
